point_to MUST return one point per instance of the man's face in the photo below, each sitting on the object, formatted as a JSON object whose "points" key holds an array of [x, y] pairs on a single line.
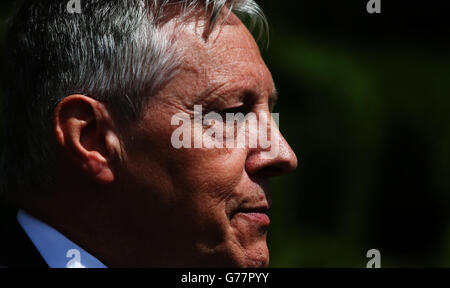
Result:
{"points": [[204, 207]]}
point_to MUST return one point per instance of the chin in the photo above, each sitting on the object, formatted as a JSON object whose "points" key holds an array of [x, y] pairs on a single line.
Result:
{"points": [[255, 257], [237, 256], [259, 259]]}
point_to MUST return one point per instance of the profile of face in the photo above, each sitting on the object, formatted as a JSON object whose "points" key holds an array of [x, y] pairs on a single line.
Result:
{"points": [[162, 206], [205, 207]]}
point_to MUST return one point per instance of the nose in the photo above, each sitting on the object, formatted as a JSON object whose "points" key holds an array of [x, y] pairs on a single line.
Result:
{"points": [[263, 163]]}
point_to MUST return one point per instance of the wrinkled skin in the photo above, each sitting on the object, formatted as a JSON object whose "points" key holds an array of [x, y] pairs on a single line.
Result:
{"points": [[131, 199], [191, 196]]}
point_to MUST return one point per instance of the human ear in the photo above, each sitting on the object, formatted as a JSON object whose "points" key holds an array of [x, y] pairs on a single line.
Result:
{"points": [[85, 130]]}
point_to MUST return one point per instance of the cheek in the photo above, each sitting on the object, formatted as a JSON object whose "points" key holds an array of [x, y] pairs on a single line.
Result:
{"points": [[210, 173], [206, 183]]}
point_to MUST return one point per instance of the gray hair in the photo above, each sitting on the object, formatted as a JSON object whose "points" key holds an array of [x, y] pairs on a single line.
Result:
{"points": [[114, 51]]}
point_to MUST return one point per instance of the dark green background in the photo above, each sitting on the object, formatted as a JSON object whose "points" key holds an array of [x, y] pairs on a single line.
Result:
{"points": [[364, 103]]}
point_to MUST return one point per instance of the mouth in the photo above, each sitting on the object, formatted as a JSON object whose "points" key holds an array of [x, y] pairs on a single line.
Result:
{"points": [[255, 215]]}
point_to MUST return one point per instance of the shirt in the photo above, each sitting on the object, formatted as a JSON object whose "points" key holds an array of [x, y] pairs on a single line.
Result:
{"points": [[56, 249]]}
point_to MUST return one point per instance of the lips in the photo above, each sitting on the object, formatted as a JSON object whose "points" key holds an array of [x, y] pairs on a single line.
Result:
{"points": [[257, 218], [256, 215]]}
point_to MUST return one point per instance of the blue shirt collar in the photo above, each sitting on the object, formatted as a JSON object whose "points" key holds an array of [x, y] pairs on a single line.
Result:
{"points": [[57, 250]]}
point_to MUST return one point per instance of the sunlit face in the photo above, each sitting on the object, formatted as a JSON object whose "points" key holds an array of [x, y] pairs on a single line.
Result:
{"points": [[204, 207]]}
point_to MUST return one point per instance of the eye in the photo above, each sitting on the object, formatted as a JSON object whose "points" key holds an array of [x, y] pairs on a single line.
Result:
{"points": [[235, 110], [242, 108]]}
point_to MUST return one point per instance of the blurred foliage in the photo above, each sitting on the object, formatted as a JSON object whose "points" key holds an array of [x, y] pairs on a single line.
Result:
{"points": [[364, 103]]}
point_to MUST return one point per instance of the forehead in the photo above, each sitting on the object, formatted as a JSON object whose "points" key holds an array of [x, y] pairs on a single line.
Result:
{"points": [[228, 59]]}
